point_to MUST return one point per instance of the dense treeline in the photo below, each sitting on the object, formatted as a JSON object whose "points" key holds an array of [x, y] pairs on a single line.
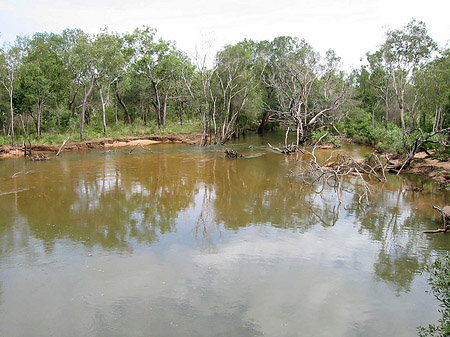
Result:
{"points": [[77, 82]]}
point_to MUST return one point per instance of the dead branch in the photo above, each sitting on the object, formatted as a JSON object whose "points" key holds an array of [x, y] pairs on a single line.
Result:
{"points": [[289, 149], [445, 214], [21, 173], [61, 148], [333, 174], [419, 143]]}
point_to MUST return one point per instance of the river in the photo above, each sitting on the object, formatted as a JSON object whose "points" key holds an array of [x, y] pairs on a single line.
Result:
{"points": [[175, 240]]}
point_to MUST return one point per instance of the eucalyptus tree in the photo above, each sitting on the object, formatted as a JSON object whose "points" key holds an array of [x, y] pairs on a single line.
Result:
{"points": [[157, 62], [199, 87], [109, 61], [433, 83], [43, 75], [84, 62], [79, 59], [375, 86], [234, 84], [10, 61], [332, 91], [404, 51]]}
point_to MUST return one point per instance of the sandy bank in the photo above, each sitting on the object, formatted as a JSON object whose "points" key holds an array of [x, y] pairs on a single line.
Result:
{"points": [[8, 151]]}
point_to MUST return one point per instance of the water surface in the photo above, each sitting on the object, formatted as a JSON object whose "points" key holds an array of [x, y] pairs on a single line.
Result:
{"points": [[175, 240]]}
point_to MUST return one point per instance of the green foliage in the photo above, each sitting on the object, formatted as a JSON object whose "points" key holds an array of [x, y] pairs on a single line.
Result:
{"points": [[442, 153], [439, 280], [328, 138], [389, 139], [358, 126], [118, 84]]}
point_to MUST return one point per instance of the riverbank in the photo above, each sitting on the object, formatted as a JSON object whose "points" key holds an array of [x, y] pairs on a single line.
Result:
{"points": [[432, 168], [109, 142], [422, 165]]}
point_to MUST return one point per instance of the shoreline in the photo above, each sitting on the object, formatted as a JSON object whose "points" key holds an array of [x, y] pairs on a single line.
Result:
{"points": [[422, 165], [7, 151]]}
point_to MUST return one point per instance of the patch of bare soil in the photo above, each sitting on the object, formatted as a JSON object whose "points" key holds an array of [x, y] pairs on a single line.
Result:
{"points": [[432, 168], [8, 151]]}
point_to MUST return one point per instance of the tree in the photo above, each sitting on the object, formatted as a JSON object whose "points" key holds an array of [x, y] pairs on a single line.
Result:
{"points": [[375, 86], [43, 74], [84, 60], [109, 63], [10, 61], [433, 83], [307, 90], [404, 51], [159, 64], [233, 86]]}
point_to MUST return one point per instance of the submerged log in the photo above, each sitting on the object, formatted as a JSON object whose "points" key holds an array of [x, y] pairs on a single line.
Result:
{"points": [[231, 154]]}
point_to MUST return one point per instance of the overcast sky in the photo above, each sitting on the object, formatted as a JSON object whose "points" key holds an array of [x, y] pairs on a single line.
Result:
{"points": [[350, 27]]}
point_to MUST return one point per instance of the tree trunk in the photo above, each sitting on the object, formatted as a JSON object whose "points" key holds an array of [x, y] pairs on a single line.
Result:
{"points": [[11, 111], [264, 122], [386, 102], [164, 110], [87, 92], [103, 111], [122, 103], [38, 118]]}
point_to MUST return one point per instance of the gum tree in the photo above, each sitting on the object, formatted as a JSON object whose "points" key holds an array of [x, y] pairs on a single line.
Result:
{"points": [[404, 51], [10, 62]]}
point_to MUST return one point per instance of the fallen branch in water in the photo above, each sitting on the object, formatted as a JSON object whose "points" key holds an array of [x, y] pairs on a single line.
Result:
{"points": [[333, 172], [14, 192], [21, 173], [61, 148], [445, 214], [288, 149]]}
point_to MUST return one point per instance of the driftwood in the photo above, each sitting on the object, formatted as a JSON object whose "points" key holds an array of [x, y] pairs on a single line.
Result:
{"points": [[61, 148], [445, 214], [288, 149], [231, 154]]}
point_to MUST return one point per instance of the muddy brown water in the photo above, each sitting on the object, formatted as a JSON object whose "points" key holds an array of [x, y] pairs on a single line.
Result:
{"points": [[175, 240]]}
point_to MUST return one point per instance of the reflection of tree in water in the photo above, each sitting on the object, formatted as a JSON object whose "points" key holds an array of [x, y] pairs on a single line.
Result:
{"points": [[114, 200], [107, 202], [393, 220], [261, 196]]}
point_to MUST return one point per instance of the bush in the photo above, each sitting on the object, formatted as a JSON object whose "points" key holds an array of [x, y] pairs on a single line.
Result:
{"points": [[329, 138], [390, 139], [358, 126], [439, 280]]}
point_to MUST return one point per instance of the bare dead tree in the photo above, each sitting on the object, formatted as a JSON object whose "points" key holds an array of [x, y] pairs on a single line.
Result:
{"points": [[334, 171]]}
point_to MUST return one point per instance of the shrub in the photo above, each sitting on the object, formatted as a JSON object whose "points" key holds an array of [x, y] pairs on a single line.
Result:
{"points": [[329, 138], [439, 280]]}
